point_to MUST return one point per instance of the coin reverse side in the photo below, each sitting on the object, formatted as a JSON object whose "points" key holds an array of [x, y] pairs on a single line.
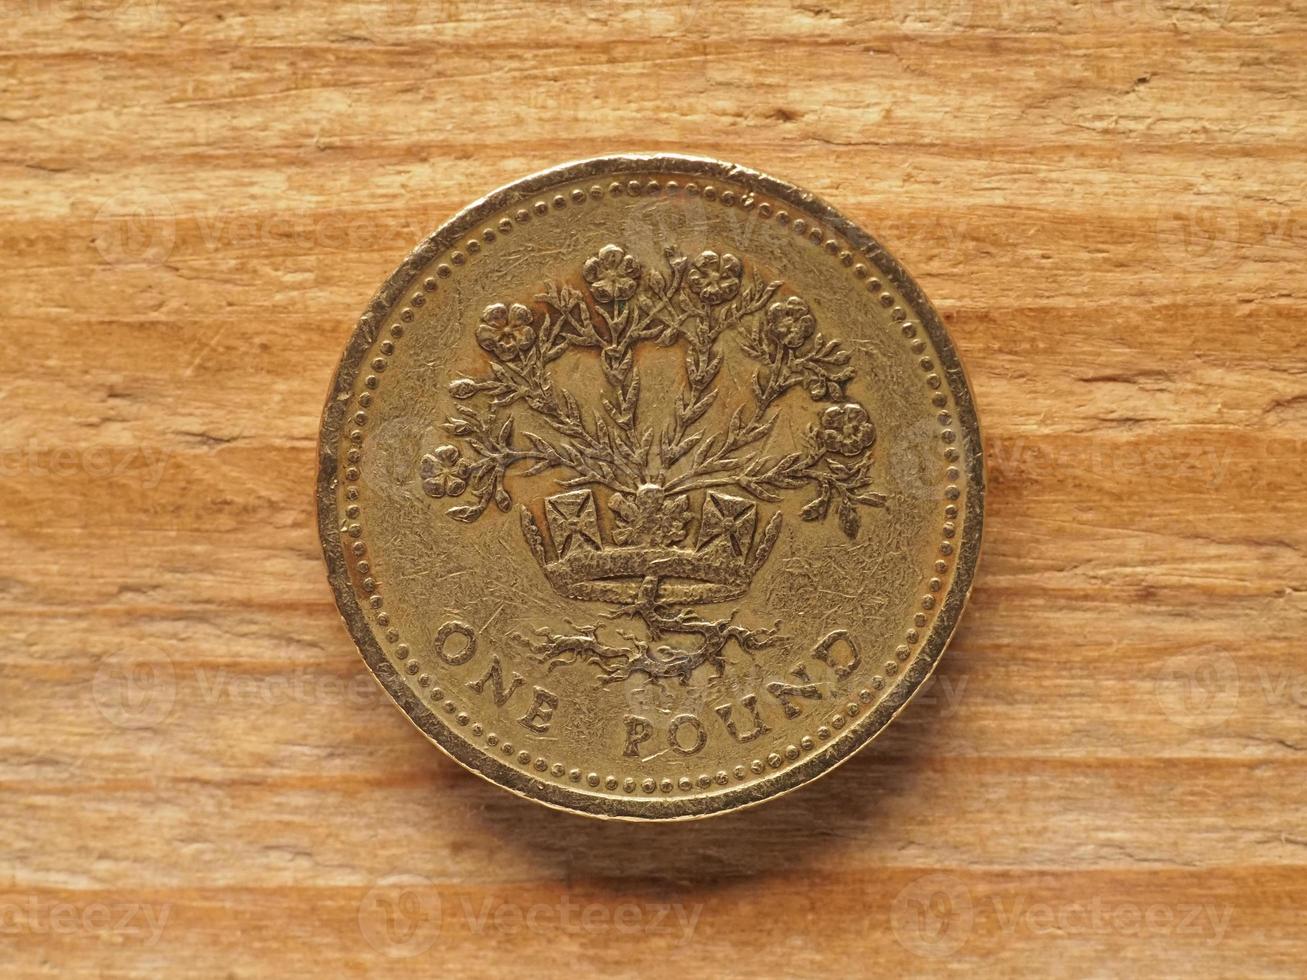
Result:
{"points": [[650, 487]]}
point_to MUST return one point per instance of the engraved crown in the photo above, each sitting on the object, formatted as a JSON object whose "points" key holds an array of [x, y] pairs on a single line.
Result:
{"points": [[650, 537]]}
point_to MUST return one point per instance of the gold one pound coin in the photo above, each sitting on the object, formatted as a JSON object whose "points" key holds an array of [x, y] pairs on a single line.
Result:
{"points": [[650, 487]]}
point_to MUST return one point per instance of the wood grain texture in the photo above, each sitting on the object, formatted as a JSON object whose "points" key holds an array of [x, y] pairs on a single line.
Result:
{"points": [[199, 778]]}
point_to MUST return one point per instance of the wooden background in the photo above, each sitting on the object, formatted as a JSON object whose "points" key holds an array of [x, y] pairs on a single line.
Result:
{"points": [[197, 775]]}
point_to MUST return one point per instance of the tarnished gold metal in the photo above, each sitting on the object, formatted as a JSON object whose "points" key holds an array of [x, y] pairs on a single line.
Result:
{"points": [[650, 487]]}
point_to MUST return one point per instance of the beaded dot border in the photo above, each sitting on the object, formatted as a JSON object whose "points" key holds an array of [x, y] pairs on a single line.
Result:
{"points": [[473, 246]]}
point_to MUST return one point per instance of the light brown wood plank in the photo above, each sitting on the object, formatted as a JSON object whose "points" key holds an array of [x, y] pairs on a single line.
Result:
{"points": [[199, 777]]}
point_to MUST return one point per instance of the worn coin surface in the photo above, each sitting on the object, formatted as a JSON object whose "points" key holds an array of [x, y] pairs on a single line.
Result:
{"points": [[650, 487]]}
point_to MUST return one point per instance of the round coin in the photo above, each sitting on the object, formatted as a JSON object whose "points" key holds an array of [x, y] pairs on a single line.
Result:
{"points": [[650, 487]]}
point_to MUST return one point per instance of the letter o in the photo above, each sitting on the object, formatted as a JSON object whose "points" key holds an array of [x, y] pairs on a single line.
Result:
{"points": [[675, 726], [442, 637]]}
